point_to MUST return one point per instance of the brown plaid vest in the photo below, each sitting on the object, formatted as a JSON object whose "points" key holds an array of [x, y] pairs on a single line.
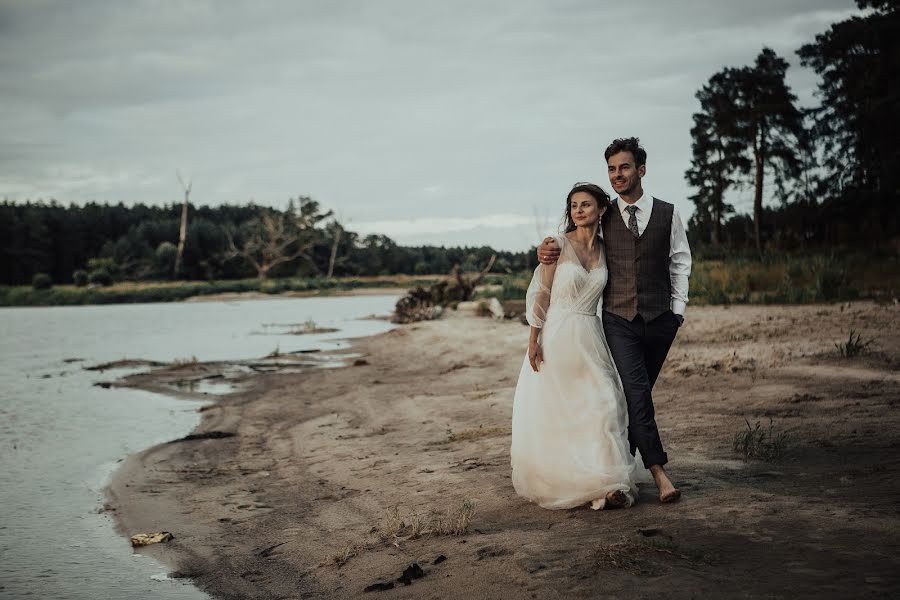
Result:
{"points": [[639, 282]]}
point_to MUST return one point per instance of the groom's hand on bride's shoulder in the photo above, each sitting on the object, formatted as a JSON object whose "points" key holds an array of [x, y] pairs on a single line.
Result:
{"points": [[548, 251]]}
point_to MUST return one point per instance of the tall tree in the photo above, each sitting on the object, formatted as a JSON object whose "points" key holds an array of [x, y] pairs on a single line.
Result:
{"points": [[771, 127], [304, 220], [858, 61], [716, 151]]}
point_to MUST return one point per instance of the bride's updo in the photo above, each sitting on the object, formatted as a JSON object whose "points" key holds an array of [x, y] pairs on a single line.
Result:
{"points": [[594, 190]]}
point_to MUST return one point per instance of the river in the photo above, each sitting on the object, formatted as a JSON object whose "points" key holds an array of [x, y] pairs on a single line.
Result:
{"points": [[61, 436]]}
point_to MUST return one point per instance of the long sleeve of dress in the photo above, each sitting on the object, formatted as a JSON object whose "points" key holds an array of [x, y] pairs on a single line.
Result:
{"points": [[537, 298]]}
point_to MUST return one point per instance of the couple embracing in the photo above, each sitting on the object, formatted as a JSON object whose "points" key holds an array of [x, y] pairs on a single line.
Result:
{"points": [[604, 307]]}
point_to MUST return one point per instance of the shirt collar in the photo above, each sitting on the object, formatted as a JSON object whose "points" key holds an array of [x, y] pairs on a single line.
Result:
{"points": [[643, 203]]}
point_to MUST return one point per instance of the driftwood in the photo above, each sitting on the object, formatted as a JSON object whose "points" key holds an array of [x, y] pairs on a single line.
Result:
{"points": [[423, 304]]}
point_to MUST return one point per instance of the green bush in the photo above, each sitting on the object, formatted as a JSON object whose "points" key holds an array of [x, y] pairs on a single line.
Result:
{"points": [[100, 277], [831, 283], [80, 278], [41, 281]]}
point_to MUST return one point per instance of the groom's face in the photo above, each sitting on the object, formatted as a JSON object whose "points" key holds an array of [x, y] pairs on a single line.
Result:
{"points": [[624, 175]]}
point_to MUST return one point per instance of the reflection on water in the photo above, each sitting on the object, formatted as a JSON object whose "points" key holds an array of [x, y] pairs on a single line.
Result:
{"points": [[61, 436], [208, 387]]}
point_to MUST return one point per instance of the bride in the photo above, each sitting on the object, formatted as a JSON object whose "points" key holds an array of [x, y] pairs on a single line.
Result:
{"points": [[570, 421]]}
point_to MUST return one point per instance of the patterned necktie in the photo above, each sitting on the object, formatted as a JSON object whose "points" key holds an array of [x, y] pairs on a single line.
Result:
{"points": [[632, 221]]}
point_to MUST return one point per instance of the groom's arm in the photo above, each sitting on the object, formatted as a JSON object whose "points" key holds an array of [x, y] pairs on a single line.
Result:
{"points": [[679, 265], [548, 252]]}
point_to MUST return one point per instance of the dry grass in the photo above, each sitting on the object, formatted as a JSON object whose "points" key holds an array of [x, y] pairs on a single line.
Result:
{"points": [[391, 525], [624, 555], [456, 522], [418, 525], [393, 529], [637, 557], [184, 363], [474, 433], [343, 555]]}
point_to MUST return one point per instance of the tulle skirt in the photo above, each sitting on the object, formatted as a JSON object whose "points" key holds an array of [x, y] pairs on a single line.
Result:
{"points": [[570, 421]]}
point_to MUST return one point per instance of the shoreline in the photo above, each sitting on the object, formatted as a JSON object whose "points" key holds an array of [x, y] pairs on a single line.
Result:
{"points": [[361, 291], [287, 506]]}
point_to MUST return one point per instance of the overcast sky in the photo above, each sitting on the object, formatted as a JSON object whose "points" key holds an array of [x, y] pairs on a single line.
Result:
{"points": [[445, 122]]}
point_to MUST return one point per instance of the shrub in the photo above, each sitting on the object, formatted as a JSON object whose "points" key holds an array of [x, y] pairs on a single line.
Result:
{"points": [[103, 264], [41, 281], [759, 443], [100, 277], [80, 278], [831, 280], [166, 252], [854, 345]]}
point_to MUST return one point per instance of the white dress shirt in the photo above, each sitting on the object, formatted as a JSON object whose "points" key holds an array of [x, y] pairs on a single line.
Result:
{"points": [[679, 251]]}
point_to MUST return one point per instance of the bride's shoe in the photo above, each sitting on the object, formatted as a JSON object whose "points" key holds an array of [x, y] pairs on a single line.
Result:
{"points": [[619, 499], [614, 499]]}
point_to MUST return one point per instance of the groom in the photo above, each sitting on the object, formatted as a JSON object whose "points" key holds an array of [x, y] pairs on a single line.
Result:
{"points": [[649, 263]]}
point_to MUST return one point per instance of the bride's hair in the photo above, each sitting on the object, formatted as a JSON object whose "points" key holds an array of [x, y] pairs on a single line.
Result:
{"points": [[594, 190]]}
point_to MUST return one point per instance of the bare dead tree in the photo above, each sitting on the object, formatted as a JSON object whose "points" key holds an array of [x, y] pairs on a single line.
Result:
{"points": [[423, 304], [467, 285], [269, 243], [182, 232], [337, 232]]}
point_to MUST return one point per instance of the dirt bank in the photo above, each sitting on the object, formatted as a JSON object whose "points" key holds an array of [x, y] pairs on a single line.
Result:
{"points": [[295, 504]]}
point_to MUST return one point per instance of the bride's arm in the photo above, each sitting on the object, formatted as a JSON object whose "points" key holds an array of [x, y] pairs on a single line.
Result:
{"points": [[537, 301]]}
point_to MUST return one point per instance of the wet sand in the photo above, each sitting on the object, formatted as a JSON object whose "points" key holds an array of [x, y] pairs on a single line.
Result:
{"points": [[293, 505]]}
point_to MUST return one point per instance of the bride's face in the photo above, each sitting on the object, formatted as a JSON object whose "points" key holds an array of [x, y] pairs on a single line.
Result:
{"points": [[584, 210]]}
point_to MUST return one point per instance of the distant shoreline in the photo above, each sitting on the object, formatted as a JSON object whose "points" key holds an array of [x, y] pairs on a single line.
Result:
{"points": [[180, 291], [364, 291], [784, 280]]}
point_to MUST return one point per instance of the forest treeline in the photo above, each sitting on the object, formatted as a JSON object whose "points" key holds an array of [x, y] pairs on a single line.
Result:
{"points": [[833, 171], [832, 168], [98, 243]]}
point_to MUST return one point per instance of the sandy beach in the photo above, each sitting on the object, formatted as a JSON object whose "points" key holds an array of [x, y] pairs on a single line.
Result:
{"points": [[294, 497]]}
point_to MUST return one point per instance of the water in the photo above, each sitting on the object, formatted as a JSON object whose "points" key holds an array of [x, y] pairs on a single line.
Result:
{"points": [[61, 436]]}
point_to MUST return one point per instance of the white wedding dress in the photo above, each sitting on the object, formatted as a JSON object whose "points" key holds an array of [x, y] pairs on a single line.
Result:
{"points": [[570, 421]]}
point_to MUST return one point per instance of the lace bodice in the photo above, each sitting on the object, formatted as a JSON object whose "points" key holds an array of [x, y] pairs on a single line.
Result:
{"points": [[566, 287]]}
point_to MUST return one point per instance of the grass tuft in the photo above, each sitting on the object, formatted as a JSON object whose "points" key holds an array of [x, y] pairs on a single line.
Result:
{"points": [[854, 346], [391, 525], [343, 555], [456, 522], [763, 444], [184, 363], [638, 557], [418, 525]]}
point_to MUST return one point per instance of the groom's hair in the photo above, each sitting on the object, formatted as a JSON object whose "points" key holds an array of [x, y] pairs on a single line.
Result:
{"points": [[632, 145]]}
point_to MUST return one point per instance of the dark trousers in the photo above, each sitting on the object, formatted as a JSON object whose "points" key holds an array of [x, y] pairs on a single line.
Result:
{"points": [[639, 349]]}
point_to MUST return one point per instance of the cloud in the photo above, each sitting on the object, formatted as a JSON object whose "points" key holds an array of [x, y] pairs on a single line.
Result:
{"points": [[379, 110], [428, 226]]}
